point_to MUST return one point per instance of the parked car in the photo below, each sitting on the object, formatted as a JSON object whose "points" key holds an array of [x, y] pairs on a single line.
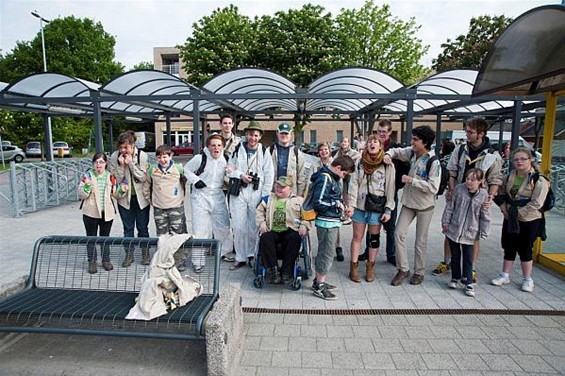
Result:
{"points": [[184, 148], [67, 150], [12, 153], [33, 149]]}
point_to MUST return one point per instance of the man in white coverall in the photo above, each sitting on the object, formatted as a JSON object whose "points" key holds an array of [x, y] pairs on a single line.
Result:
{"points": [[251, 174], [209, 208]]}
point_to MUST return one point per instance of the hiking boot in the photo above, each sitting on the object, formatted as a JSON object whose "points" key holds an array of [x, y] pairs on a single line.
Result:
{"points": [[528, 285], [370, 271], [399, 278], [128, 260], [453, 284], [354, 272], [328, 285], [321, 291], [145, 257], [339, 254], [274, 276], [417, 279], [441, 268], [470, 290], [107, 265], [500, 280], [364, 256], [92, 269]]}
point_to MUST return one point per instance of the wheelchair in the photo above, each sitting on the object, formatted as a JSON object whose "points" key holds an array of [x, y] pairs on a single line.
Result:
{"points": [[299, 273]]}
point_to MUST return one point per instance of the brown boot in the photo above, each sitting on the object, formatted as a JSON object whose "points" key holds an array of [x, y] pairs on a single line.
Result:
{"points": [[128, 260], [145, 258], [92, 268], [370, 271], [354, 272]]}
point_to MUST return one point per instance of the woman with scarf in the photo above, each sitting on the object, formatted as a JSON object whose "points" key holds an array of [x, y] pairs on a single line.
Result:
{"points": [[370, 200], [521, 198]]}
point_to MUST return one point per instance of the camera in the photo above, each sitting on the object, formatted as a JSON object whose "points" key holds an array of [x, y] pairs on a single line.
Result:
{"points": [[255, 181]]}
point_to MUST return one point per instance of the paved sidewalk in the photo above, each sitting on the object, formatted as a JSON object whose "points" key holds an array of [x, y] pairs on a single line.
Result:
{"points": [[296, 344]]}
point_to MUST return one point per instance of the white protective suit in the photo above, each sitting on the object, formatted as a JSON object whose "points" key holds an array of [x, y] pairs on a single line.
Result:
{"points": [[209, 209], [243, 206]]}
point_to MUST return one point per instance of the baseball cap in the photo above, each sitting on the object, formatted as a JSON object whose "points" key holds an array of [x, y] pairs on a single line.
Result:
{"points": [[284, 128], [284, 181]]}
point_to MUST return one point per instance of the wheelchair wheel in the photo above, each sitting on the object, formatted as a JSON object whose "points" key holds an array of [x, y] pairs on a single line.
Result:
{"points": [[259, 282], [296, 284]]}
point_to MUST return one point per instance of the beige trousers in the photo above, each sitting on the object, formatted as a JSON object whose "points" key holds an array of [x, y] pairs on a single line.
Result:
{"points": [[405, 218]]}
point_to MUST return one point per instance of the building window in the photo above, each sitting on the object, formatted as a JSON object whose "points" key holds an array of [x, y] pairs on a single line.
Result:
{"points": [[313, 138], [339, 136]]}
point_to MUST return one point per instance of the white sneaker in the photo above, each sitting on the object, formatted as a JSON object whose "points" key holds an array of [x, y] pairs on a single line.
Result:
{"points": [[470, 290], [500, 280], [528, 285], [453, 284]]}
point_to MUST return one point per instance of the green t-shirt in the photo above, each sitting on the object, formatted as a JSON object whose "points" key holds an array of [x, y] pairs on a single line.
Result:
{"points": [[279, 216], [518, 180]]}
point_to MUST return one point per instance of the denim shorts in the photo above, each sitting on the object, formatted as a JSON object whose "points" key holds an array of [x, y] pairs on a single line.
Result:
{"points": [[368, 218]]}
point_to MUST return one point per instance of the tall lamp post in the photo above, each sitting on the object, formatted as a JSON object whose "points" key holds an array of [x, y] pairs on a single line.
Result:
{"points": [[48, 130]]}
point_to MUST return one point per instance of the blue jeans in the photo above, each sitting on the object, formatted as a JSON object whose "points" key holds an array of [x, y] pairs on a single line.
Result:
{"points": [[456, 250], [134, 217]]}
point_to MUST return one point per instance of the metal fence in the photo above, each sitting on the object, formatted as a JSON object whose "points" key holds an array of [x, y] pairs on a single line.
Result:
{"points": [[39, 185]]}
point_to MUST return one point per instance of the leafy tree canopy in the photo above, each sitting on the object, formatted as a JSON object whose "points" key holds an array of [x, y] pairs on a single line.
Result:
{"points": [[372, 37], [219, 43], [76, 47], [469, 51], [143, 65]]}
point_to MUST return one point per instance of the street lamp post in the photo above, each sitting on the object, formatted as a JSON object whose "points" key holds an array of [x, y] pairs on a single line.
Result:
{"points": [[48, 130]]}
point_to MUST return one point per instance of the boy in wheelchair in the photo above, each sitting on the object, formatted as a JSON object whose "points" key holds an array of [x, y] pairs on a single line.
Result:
{"points": [[280, 226]]}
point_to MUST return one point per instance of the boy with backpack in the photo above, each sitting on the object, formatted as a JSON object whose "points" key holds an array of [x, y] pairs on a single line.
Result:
{"points": [[164, 189], [329, 207]]}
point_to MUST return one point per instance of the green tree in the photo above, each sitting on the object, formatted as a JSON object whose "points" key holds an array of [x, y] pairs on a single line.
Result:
{"points": [[372, 37], [143, 65], [469, 51], [75, 47], [219, 43], [298, 43]]}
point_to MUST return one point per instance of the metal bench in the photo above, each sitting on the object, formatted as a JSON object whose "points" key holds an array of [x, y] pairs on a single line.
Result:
{"points": [[61, 297]]}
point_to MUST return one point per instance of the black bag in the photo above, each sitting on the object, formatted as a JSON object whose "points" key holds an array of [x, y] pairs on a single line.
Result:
{"points": [[374, 203]]}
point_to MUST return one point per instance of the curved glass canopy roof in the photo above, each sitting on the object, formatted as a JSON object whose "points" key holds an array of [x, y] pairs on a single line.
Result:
{"points": [[528, 57]]}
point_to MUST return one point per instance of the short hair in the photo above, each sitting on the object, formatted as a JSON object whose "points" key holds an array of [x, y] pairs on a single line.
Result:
{"points": [[374, 137], [477, 172], [478, 124], [385, 123], [224, 116], [127, 137], [163, 149], [347, 164], [215, 136], [98, 156], [426, 134], [321, 145]]}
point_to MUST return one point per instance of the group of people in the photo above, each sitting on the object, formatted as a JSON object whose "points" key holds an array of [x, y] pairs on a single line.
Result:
{"points": [[250, 197]]}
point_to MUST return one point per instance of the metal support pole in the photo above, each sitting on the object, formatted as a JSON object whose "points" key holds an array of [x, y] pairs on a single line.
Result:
{"points": [[438, 134], [195, 93], [168, 127], [97, 112]]}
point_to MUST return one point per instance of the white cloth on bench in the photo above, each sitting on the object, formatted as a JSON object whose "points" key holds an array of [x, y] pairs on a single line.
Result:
{"points": [[158, 278]]}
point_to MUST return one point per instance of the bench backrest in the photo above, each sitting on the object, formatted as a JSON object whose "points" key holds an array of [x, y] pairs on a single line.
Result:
{"points": [[61, 262]]}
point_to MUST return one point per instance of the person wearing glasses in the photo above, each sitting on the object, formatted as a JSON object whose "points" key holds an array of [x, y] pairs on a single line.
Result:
{"points": [[520, 201], [475, 153]]}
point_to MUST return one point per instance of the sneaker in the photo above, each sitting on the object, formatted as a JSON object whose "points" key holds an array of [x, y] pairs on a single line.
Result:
{"points": [[453, 284], [328, 285], [474, 277], [198, 268], [323, 292], [500, 280], [470, 290], [339, 254], [237, 264], [228, 258], [528, 285], [441, 268]]}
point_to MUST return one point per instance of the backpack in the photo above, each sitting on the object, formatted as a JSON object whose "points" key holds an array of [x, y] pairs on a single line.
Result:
{"points": [[549, 201], [203, 161], [308, 212], [444, 177]]}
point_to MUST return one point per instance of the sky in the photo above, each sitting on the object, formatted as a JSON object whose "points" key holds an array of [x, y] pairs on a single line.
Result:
{"points": [[140, 25]]}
